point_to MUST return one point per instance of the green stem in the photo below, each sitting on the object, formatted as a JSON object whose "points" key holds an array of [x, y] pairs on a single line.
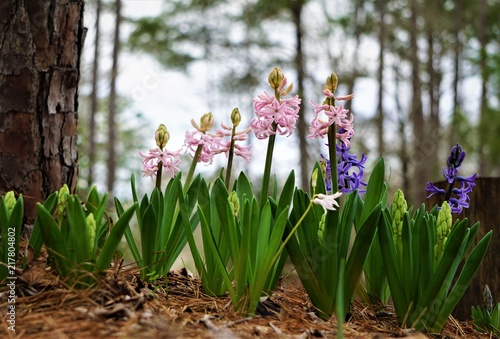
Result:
{"points": [[332, 153], [158, 175], [276, 257], [267, 171], [192, 168], [230, 159]]}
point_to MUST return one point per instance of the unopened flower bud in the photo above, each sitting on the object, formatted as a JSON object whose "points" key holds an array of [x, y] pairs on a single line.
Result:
{"points": [[444, 219], [234, 201], [275, 78], [207, 122], [10, 202], [332, 82], [398, 210], [287, 90], [456, 157], [62, 198], [487, 299], [162, 136], [314, 179], [321, 228], [235, 117], [91, 231]]}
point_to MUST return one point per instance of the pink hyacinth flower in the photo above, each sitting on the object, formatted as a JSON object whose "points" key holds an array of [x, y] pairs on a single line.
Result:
{"points": [[169, 161]]}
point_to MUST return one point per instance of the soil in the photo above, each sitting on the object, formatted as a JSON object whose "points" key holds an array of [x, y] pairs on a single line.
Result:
{"points": [[123, 306]]}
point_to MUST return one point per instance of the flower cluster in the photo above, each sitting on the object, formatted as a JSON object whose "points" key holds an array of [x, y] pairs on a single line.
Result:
{"points": [[273, 114], [328, 114], [220, 142], [157, 158], [350, 170], [457, 197]]}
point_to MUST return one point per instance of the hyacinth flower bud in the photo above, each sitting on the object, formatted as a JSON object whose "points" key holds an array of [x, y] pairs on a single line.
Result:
{"points": [[443, 228], [62, 198], [456, 157], [234, 201], [207, 122], [286, 90], [235, 117], [10, 202], [314, 179], [275, 78], [487, 299], [331, 83], [321, 228], [91, 232], [162, 136], [398, 210]]}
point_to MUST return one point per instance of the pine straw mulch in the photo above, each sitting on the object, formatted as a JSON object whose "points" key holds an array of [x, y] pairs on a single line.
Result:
{"points": [[125, 307]]}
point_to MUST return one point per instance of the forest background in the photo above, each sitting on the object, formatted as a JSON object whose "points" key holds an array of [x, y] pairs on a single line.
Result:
{"points": [[425, 75]]}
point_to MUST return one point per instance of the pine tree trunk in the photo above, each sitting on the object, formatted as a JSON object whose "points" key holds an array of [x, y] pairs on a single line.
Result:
{"points": [[301, 123], [483, 119], [93, 97], [40, 47], [419, 161], [112, 103], [457, 57], [381, 57]]}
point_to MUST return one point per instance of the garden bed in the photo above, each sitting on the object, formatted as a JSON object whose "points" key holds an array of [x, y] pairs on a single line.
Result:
{"points": [[124, 306]]}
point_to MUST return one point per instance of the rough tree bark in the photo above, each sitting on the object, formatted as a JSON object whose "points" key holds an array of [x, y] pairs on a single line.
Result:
{"points": [[40, 47]]}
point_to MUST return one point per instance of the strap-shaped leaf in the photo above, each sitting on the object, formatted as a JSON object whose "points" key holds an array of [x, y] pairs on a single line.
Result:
{"points": [[114, 238], [456, 242], [54, 240], [469, 270], [390, 263], [77, 221], [36, 240], [359, 251], [136, 254]]}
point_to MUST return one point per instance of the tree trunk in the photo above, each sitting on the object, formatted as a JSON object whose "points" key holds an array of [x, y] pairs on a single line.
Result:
{"points": [[93, 97], [419, 150], [301, 123], [483, 119], [112, 103], [40, 47], [434, 130], [403, 150], [381, 60], [457, 56]]}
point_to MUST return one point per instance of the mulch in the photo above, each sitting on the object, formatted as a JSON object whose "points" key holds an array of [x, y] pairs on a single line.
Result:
{"points": [[123, 306]]}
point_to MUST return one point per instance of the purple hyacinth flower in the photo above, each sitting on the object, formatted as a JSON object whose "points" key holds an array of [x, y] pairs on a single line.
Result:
{"points": [[350, 171], [458, 198]]}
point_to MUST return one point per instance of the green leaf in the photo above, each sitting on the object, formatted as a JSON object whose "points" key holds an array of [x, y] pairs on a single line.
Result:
{"points": [[36, 240], [77, 221], [375, 189], [54, 241], [469, 270], [114, 238], [129, 236], [390, 263], [359, 252]]}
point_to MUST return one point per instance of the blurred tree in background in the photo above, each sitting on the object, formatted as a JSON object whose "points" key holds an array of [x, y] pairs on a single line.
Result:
{"points": [[434, 66]]}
